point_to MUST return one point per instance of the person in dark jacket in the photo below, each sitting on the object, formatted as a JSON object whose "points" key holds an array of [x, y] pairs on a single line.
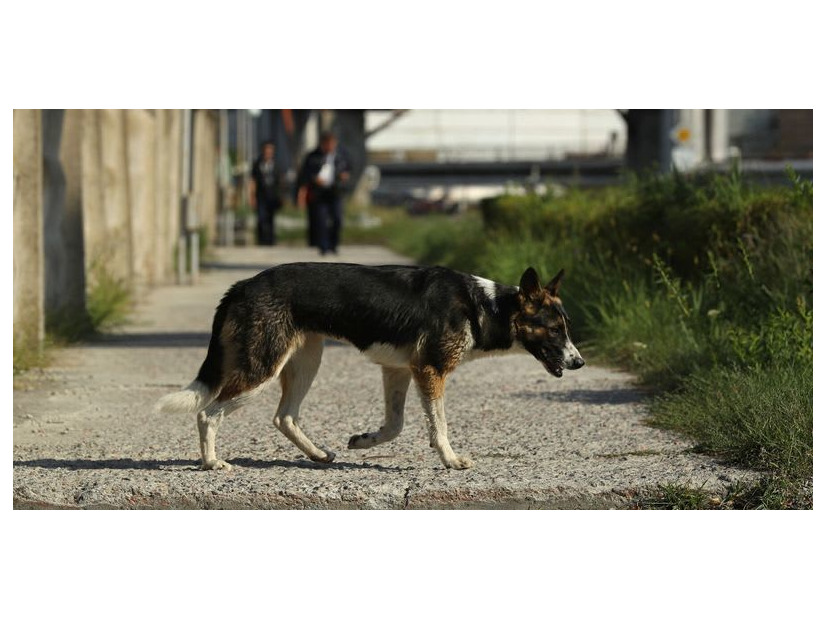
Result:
{"points": [[321, 181], [265, 193]]}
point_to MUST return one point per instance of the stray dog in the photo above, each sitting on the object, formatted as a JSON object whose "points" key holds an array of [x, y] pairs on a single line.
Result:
{"points": [[418, 323]]}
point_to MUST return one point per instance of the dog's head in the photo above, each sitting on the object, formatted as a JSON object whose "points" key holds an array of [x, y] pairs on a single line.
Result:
{"points": [[542, 324]]}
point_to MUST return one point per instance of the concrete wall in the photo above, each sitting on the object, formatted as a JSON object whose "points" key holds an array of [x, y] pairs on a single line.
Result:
{"points": [[64, 271], [94, 219], [168, 190], [101, 189], [72, 295], [117, 220], [28, 313], [140, 158], [54, 196], [204, 169]]}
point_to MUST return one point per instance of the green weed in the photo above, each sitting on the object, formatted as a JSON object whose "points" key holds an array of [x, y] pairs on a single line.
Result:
{"points": [[108, 298], [701, 284]]}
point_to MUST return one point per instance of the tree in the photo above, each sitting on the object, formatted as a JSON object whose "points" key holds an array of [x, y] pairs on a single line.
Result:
{"points": [[648, 140]]}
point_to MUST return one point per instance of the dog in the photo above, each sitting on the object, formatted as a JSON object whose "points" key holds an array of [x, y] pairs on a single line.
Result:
{"points": [[417, 323]]}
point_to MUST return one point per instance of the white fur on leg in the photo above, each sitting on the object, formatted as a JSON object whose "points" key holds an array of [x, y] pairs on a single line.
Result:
{"points": [[296, 378], [208, 423], [434, 413], [396, 382]]}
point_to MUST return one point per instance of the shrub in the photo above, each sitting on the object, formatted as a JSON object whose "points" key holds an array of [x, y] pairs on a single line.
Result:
{"points": [[701, 284]]}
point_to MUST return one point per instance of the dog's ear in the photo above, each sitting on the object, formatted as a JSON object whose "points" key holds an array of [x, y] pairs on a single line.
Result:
{"points": [[553, 285], [529, 285]]}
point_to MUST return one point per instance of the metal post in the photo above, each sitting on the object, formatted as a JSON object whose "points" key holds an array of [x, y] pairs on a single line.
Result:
{"points": [[181, 258], [186, 131], [189, 224], [194, 256], [243, 148], [227, 224], [719, 136]]}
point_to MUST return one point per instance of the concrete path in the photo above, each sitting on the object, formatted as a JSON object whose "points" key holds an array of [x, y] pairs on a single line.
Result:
{"points": [[86, 436]]}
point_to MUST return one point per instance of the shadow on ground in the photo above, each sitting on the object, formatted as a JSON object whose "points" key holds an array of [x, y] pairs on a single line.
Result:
{"points": [[121, 464], [590, 397], [236, 266], [150, 340]]}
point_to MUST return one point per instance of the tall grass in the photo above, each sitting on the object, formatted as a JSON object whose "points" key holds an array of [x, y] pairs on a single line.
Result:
{"points": [[700, 284]]}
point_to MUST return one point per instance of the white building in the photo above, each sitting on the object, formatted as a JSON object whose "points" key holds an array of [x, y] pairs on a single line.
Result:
{"points": [[495, 135]]}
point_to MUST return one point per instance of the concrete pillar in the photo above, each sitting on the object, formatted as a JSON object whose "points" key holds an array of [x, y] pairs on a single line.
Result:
{"points": [[187, 209], [94, 220], [140, 148], [74, 285], [649, 144], [349, 127], [161, 263], [28, 314], [54, 192], [205, 168], [64, 269], [116, 194], [718, 147], [175, 184], [167, 212], [226, 236]]}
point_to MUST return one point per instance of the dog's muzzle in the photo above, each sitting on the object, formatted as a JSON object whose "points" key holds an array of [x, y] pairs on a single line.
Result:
{"points": [[571, 358]]}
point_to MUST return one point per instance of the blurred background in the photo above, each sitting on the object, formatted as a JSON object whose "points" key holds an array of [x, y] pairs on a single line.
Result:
{"points": [[135, 197]]}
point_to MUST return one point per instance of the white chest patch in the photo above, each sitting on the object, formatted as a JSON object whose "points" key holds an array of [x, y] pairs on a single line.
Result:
{"points": [[489, 288], [389, 355]]}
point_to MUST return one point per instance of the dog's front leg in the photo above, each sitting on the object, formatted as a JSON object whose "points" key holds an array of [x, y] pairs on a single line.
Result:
{"points": [[431, 386], [396, 382]]}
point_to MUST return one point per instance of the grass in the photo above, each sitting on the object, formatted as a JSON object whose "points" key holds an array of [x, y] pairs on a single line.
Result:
{"points": [[701, 285], [767, 494], [761, 418], [108, 298], [28, 355], [108, 304]]}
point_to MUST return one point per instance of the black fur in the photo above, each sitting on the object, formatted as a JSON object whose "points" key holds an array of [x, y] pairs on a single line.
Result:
{"points": [[363, 305]]}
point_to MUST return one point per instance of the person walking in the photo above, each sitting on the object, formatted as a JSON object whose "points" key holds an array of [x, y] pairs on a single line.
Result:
{"points": [[321, 181], [265, 193]]}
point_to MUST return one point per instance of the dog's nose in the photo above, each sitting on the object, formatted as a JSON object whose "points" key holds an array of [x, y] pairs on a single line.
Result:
{"points": [[577, 363]]}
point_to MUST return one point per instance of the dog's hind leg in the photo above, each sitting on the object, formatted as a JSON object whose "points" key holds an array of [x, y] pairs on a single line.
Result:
{"points": [[208, 422], [396, 381], [296, 378], [431, 384]]}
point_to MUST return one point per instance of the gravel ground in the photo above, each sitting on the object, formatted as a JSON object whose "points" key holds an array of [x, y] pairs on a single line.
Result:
{"points": [[86, 436]]}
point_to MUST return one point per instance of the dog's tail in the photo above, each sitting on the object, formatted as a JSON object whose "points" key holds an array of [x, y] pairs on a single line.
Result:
{"points": [[193, 398], [208, 384]]}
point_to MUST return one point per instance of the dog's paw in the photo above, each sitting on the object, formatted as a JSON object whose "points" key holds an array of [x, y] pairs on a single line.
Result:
{"points": [[328, 457], [216, 464], [361, 442], [460, 462]]}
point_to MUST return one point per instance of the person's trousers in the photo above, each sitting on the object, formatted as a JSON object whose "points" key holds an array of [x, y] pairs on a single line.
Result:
{"points": [[266, 222], [325, 216]]}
